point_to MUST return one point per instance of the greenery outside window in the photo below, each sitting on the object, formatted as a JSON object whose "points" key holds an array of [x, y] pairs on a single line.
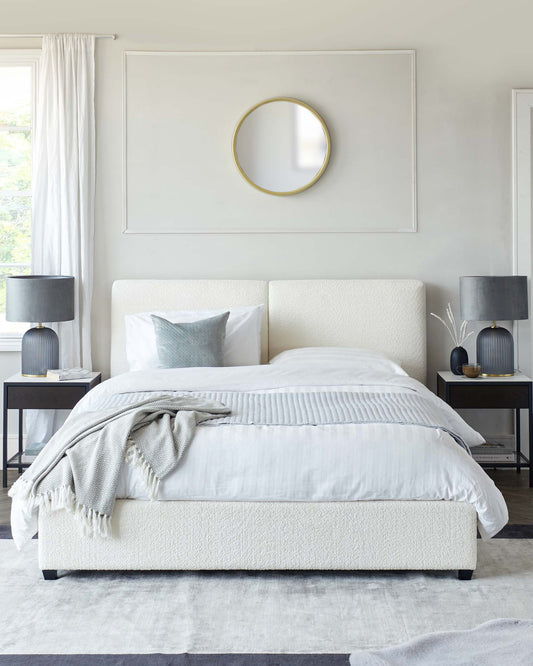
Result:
{"points": [[18, 88]]}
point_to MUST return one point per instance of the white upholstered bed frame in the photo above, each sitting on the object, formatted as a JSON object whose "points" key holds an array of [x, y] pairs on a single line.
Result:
{"points": [[385, 315]]}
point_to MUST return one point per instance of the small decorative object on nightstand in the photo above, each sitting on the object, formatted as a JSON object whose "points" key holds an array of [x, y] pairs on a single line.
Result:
{"points": [[493, 393], [38, 298], [471, 370], [38, 393], [458, 356], [486, 298]]}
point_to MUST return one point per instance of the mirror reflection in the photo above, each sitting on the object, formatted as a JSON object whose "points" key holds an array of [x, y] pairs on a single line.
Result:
{"points": [[281, 146]]}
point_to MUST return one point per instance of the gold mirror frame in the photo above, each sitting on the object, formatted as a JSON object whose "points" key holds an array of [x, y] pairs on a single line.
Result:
{"points": [[324, 127]]}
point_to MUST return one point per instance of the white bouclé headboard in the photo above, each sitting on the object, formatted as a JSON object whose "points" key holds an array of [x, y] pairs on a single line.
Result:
{"points": [[388, 316]]}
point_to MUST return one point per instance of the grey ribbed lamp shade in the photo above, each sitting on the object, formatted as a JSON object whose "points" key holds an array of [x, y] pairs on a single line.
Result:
{"points": [[487, 297], [40, 298]]}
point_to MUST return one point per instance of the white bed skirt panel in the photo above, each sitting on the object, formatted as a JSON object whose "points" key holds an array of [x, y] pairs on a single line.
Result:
{"points": [[192, 535]]}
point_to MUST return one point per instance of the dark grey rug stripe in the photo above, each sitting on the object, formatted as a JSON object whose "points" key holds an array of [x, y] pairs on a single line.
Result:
{"points": [[5, 532], [516, 532], [508, 532], [174, 659]]}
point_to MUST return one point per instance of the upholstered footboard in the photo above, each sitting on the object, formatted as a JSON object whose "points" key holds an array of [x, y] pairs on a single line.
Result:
{"points": [[188, 535]]}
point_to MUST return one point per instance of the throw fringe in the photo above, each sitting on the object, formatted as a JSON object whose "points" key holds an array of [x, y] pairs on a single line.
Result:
{"points": [[21, 489], [135, 458], [92, 523]]}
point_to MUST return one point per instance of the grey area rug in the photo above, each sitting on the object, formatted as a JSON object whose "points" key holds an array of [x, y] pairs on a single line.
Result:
{"points": [[149, 613], [493, 643]]}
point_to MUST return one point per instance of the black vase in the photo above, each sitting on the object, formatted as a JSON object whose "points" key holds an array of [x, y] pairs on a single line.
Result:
{"points": [[458, 357]]}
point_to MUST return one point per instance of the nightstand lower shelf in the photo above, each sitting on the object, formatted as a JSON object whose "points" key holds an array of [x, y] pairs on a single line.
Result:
{"points": [[521, 461], [19, 461]]}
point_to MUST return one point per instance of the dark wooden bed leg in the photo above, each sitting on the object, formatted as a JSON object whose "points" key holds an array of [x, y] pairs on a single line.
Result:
{"points": [[50, 574], [465, 574]]}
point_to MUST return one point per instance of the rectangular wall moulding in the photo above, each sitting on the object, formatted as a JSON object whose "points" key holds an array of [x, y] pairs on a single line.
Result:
{"points": [[180, 113]]}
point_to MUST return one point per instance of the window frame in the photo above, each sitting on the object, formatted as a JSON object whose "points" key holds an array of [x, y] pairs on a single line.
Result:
{"points": [[10, 342]]}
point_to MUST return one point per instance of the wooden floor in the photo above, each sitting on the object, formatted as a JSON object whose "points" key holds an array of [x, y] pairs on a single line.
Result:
{"points": [[515, 489], [518, 495], [5, 500]]}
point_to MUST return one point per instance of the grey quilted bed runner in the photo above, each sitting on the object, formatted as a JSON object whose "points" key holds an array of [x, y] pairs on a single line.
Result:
{"points": [[317, 408]]}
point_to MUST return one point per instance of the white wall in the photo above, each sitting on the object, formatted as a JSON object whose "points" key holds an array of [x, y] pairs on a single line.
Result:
{"points": [[469, 56], [183, 141]]}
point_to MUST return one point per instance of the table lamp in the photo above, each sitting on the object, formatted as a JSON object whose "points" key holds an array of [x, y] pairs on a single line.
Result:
{"points": [[38, 298], [485, 297]]}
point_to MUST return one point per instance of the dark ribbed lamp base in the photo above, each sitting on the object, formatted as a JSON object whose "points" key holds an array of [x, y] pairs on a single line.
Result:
{"points": [[40, 351], [495, 352]]}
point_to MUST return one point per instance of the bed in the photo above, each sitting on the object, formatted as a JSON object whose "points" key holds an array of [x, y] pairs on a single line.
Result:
{"points": [[219, 531]]}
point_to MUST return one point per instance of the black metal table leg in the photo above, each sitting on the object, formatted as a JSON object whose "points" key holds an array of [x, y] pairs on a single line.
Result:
{"points": [[517, 437], [4, 442], [530, 429], [21, 450]]}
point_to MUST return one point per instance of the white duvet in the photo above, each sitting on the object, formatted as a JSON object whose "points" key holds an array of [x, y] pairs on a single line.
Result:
{"points": [[341, 462]]}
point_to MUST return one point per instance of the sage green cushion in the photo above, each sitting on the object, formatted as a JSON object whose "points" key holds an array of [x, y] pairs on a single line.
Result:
{"points": [[191, 344]]}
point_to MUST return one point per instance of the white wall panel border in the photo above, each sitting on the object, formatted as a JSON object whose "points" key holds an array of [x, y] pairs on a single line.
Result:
{"points": [[303, 213]]}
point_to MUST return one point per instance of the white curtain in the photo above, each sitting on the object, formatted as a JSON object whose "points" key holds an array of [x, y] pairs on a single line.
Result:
{"points": [[63, 194]]}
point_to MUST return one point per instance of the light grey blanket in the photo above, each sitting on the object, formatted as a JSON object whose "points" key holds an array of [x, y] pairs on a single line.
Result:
{"points": [[79, 468], [494, 643], [320, 408]]}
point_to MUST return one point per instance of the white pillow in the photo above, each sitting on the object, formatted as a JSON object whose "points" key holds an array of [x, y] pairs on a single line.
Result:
{"points": [[364, 359], [242, 345]]}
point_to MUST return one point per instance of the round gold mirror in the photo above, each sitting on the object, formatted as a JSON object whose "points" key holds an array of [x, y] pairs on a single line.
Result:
{"points": [[281, 146]]}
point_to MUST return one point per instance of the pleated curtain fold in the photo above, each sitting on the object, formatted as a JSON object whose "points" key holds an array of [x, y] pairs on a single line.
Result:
{"points": [[64, 169]]}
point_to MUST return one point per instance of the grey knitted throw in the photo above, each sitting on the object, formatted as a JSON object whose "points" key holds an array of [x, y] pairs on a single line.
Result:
{"points": [[79, 468]]}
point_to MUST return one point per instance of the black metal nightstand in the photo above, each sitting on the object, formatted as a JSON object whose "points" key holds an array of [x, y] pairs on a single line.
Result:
{"points": [[493, 393], [38, 393]]}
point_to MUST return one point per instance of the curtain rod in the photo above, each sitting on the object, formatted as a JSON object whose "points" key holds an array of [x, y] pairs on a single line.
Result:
{"points": [[29, 36]]}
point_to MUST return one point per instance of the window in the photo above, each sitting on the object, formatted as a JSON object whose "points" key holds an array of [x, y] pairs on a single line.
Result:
{"points": [[17, 98]]}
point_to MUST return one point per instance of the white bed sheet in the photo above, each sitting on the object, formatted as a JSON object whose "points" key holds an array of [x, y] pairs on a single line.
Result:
{"points": [[314, 463]]}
